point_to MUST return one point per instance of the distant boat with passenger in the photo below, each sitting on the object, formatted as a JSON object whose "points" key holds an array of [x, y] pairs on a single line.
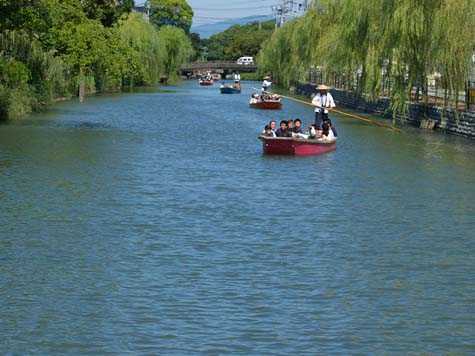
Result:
{"points": [[266, 101], [206, 82], [231, 89], [296, 146]]}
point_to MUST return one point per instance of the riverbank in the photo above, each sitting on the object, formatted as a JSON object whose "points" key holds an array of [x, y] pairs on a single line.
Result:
{"points": [[45, 107], [434, 118]]}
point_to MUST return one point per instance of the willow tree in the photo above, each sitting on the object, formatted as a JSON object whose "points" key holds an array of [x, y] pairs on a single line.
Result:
{"points": [[141, 50], [176, 49], [454, 43], [380, 44], [29, 75], [276, 56]]}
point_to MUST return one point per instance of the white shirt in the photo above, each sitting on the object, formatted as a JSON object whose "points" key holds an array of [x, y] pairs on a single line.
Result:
{"points": [[323, 101], [266, 84], [273, 133], [330, 138]]}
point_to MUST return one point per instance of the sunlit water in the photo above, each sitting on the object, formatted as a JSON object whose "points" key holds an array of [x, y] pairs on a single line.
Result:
{"points": [[151, 223]]}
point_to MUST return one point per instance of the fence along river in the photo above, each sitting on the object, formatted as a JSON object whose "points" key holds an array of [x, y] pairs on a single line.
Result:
{"points": [[151, 223]]}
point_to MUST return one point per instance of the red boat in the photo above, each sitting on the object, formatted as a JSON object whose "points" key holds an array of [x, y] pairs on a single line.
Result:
{"points": [[267, 105], [266, 101], [206, 82], [295, 146]]}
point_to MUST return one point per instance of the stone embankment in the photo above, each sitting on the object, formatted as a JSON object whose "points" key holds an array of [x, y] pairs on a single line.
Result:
{"points": [[449, 121]]}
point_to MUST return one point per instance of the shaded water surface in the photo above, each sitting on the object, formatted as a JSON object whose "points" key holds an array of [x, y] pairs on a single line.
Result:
{"points": [[151, 223]]}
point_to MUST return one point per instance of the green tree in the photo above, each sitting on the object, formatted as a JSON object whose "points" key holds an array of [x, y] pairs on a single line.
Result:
{"points": [[176, 13], [238, 41], [107, 11], [58, 48], [141, 51], [176, 48], [377, 46], [197, 45]]}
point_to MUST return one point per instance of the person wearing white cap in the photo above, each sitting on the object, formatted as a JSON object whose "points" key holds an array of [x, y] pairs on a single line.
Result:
{"points": [[323, 102]]}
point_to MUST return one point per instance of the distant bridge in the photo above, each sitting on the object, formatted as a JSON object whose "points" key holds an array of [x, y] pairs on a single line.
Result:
{"points": [[222, 67]]}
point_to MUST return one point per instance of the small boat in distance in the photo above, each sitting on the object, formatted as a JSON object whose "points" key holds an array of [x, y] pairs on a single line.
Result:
{"points": [[266, 101], [206, 82], [230, 89], [296, 146]]}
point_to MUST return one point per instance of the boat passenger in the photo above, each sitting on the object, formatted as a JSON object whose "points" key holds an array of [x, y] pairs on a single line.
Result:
{"points": [[269, 129], [327, 132], [273, 125], [268, 132], [290, 125], [297, 126], [323, 102], [283, 130], [333, 128], [314, 132]]}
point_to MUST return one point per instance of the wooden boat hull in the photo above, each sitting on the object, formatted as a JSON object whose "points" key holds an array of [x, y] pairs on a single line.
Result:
{"points": [[267, 105], [229, 90], [295, 146], [206, 82]]}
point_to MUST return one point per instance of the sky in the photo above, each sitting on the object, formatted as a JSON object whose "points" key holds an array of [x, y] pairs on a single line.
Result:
{"points": [[210, 11]]}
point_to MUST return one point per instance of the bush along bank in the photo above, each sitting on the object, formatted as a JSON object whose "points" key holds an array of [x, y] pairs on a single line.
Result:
{"points": [[55, 49]]}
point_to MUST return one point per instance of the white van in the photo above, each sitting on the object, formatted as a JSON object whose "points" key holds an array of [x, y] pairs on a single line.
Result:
{"points": [[245, 61]]}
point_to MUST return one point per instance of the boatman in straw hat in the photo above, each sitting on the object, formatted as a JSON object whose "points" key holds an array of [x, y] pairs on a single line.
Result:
{"points": [[323, 102]]}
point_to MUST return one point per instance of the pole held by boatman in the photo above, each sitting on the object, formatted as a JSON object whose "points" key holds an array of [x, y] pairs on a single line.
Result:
{"points": [[323, 102]]}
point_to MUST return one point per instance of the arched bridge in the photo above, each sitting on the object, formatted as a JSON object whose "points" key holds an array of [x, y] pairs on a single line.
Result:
{"points": [[222, 67]]}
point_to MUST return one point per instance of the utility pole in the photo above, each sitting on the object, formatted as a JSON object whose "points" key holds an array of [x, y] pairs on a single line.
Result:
{"points": [[287, 10]]}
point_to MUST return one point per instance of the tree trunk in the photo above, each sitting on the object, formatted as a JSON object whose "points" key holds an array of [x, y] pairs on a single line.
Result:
{"points": [[82, 86]]}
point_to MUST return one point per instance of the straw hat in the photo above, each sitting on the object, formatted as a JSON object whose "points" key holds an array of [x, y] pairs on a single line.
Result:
{"points": [[323, 87], [267, 77]]}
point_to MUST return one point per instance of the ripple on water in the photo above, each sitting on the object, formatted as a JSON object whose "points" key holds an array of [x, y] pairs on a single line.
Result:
{"points": [[152, 223]]}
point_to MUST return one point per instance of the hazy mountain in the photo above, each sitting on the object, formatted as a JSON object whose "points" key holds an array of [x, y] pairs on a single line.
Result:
{"points": [[208, 30]]}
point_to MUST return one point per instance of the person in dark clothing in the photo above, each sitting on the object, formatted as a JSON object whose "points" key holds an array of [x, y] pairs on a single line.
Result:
{"points": [[330, 124], [297, 126], [325, 128], [327, 132], [283, 131]]}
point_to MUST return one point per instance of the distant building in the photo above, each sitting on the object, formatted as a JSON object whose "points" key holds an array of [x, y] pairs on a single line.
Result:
{"points": [[144, 10], [288, 10]]}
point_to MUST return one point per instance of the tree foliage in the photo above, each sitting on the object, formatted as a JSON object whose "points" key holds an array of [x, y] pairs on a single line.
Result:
{"points": [[176, 13], [238, 41], [57, 48], [107, 11], [376, 44], [176, 47]]}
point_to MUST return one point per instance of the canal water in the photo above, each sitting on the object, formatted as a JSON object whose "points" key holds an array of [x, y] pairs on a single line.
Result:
{"points": [[151, 223]]}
